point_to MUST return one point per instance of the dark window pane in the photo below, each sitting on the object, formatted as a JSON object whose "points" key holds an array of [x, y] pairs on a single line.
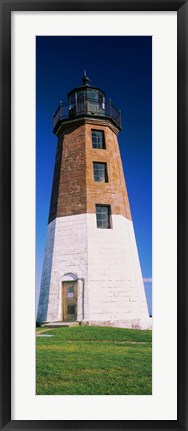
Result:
{"points": [[71, 289], [101, 101], [98, 139], [99, 223], [71, 309], [92, 95], [103, 216], [105, 224], [100, 172], [80, 96], [72, 101]]}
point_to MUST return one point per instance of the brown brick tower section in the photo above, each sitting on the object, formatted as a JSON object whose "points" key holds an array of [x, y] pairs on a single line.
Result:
{"points": [[69, 182], [74, 190], [114, 191]]}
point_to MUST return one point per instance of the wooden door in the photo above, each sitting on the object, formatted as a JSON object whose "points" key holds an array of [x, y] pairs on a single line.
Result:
{"points": [[69, 301]]}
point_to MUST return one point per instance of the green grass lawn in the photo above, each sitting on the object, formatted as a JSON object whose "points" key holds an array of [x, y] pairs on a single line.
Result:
{"points": [[94, 361]]}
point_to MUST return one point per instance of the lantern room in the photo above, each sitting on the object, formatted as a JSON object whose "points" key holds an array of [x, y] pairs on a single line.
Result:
{"points": [[87, 101]]}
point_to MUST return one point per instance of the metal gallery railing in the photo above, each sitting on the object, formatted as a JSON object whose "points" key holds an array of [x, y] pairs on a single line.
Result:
{"points": [[89, 107]]}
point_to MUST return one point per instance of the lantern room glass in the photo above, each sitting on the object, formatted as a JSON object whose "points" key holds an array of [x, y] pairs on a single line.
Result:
{"points": [[88, 101]]}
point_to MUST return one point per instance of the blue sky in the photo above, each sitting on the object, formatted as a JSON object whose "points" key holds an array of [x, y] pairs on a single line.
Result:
{"points": [[122, 68]]}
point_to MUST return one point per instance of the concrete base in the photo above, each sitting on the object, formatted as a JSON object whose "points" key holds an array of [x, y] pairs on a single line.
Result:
{"points": [[129, 324], [60, 324]]}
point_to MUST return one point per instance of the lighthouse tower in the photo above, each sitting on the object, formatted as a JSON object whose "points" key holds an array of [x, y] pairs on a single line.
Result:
{"points": [[91, 270]]}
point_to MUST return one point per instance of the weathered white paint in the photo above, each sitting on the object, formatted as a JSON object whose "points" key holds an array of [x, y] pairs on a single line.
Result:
{"points": [[66, 252], [130, 323], [116, 290], [106, 264]]}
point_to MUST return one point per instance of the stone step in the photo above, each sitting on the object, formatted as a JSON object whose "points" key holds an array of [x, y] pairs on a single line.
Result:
{"points": [[60, 324]]}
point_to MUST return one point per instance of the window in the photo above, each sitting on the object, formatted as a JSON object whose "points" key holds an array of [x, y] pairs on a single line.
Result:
{"points": [[101, 101], [92, 95], [80, 96], [71, 309], [98, 139], [100, 172], [70, 292], [103, 216], [71, 289], [72, 101]]}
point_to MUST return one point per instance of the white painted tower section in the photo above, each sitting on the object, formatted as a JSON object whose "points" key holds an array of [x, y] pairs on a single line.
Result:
{"points": [[66, 253], [106, 264], [116, 290]]}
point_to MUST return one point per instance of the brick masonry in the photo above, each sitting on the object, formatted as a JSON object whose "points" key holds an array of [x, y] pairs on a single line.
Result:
{"points": [[69, 182], [74, 190]]}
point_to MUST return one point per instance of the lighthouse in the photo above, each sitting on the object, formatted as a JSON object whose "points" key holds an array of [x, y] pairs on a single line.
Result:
{"points": [[91, 270]]}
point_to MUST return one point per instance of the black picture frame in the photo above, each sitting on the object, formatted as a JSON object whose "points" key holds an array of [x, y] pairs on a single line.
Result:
{"points": [[6, 7]]}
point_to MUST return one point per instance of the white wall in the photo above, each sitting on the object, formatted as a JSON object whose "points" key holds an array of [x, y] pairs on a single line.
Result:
{"points": [[116, 290], [69, 238], [106, 259]]}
